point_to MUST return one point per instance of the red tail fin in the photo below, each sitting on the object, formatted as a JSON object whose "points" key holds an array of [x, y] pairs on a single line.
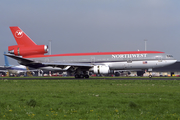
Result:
{"points": [[26, 47], [20, 37]]}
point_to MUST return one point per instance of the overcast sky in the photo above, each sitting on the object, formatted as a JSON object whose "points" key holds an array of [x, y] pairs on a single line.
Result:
{"points": [[76, 26]]}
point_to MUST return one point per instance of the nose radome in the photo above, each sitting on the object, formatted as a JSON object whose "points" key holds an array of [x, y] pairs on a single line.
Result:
{"points": [[172, 61]]}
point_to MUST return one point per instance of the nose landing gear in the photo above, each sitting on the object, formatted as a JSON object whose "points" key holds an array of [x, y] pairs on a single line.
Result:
{"points": [[150, 76]]}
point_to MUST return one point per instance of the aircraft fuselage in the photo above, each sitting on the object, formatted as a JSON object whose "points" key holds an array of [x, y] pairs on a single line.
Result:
{"points": [[115, 60]]}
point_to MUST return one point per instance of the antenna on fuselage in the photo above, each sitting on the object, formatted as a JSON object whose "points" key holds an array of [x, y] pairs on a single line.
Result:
{"points": [[50, 47], [145, 47]]}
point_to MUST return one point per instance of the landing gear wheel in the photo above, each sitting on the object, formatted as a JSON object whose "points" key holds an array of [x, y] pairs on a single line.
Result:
{"points": [[77, 76], [140, 73], [81, 76], [86, 76], [150, 76]]}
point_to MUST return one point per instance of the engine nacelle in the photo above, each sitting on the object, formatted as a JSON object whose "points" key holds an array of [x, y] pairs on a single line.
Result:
{"points": [[28, 50], [101, 69]]}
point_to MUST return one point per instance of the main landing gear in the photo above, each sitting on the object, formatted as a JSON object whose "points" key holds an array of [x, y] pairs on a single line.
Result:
{"points": [[79, 73], [140, 73], [81, 76]]}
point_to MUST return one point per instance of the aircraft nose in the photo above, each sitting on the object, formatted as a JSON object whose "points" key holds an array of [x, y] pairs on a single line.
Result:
{"points": [[172, 61]]}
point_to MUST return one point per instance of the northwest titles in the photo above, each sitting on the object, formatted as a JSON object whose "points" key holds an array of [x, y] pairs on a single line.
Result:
{"points": [[129, 56]]}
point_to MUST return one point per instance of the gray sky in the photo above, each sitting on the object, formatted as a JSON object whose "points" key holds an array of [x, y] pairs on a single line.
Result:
{"points": [[76, 26]]}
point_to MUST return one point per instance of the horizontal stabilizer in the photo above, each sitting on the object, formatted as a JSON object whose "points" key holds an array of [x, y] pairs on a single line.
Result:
{"points": [[20, 59]]}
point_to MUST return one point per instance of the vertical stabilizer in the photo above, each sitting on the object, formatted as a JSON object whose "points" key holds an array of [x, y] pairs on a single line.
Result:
{"points": [[25, 46], [20, 37], [6, 60]]}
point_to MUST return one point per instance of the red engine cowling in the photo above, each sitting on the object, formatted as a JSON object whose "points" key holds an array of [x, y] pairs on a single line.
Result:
{"points": [[28, 50]]}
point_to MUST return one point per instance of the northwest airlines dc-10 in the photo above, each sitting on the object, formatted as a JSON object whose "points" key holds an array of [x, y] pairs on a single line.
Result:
{"points": [[28, 53]]}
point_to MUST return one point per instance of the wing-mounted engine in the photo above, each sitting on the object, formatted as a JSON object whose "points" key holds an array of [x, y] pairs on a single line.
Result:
{"points": [[102, 69], [24, 51]]}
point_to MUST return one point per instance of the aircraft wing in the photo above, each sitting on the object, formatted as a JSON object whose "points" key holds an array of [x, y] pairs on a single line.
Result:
{"points": [[3, 70], [68, 64], [31, 63]]}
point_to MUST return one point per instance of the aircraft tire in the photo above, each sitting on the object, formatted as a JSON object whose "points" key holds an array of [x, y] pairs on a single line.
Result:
{"points": [[77, 76], [117, 74], [81, 76], [140, 73], [150, 76], [86, 76]]}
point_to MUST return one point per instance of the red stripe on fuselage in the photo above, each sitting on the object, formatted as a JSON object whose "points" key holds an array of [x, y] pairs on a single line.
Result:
{"points": [[95, 53]]}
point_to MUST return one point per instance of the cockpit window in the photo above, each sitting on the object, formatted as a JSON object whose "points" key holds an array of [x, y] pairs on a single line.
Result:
{"points": [[169, 56]]}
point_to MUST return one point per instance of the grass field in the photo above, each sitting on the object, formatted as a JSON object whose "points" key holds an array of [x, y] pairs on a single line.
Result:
{"points": [[90, 99]]}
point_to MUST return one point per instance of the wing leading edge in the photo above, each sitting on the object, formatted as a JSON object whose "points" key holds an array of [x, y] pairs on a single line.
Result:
{"points": [[36, 64]]}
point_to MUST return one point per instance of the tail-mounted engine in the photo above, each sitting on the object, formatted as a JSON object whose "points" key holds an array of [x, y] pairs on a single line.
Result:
{"points": [[28, 50]]}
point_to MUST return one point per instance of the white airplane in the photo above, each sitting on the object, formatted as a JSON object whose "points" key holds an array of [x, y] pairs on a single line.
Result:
{"points": [[28, 53], [12, 69]]}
